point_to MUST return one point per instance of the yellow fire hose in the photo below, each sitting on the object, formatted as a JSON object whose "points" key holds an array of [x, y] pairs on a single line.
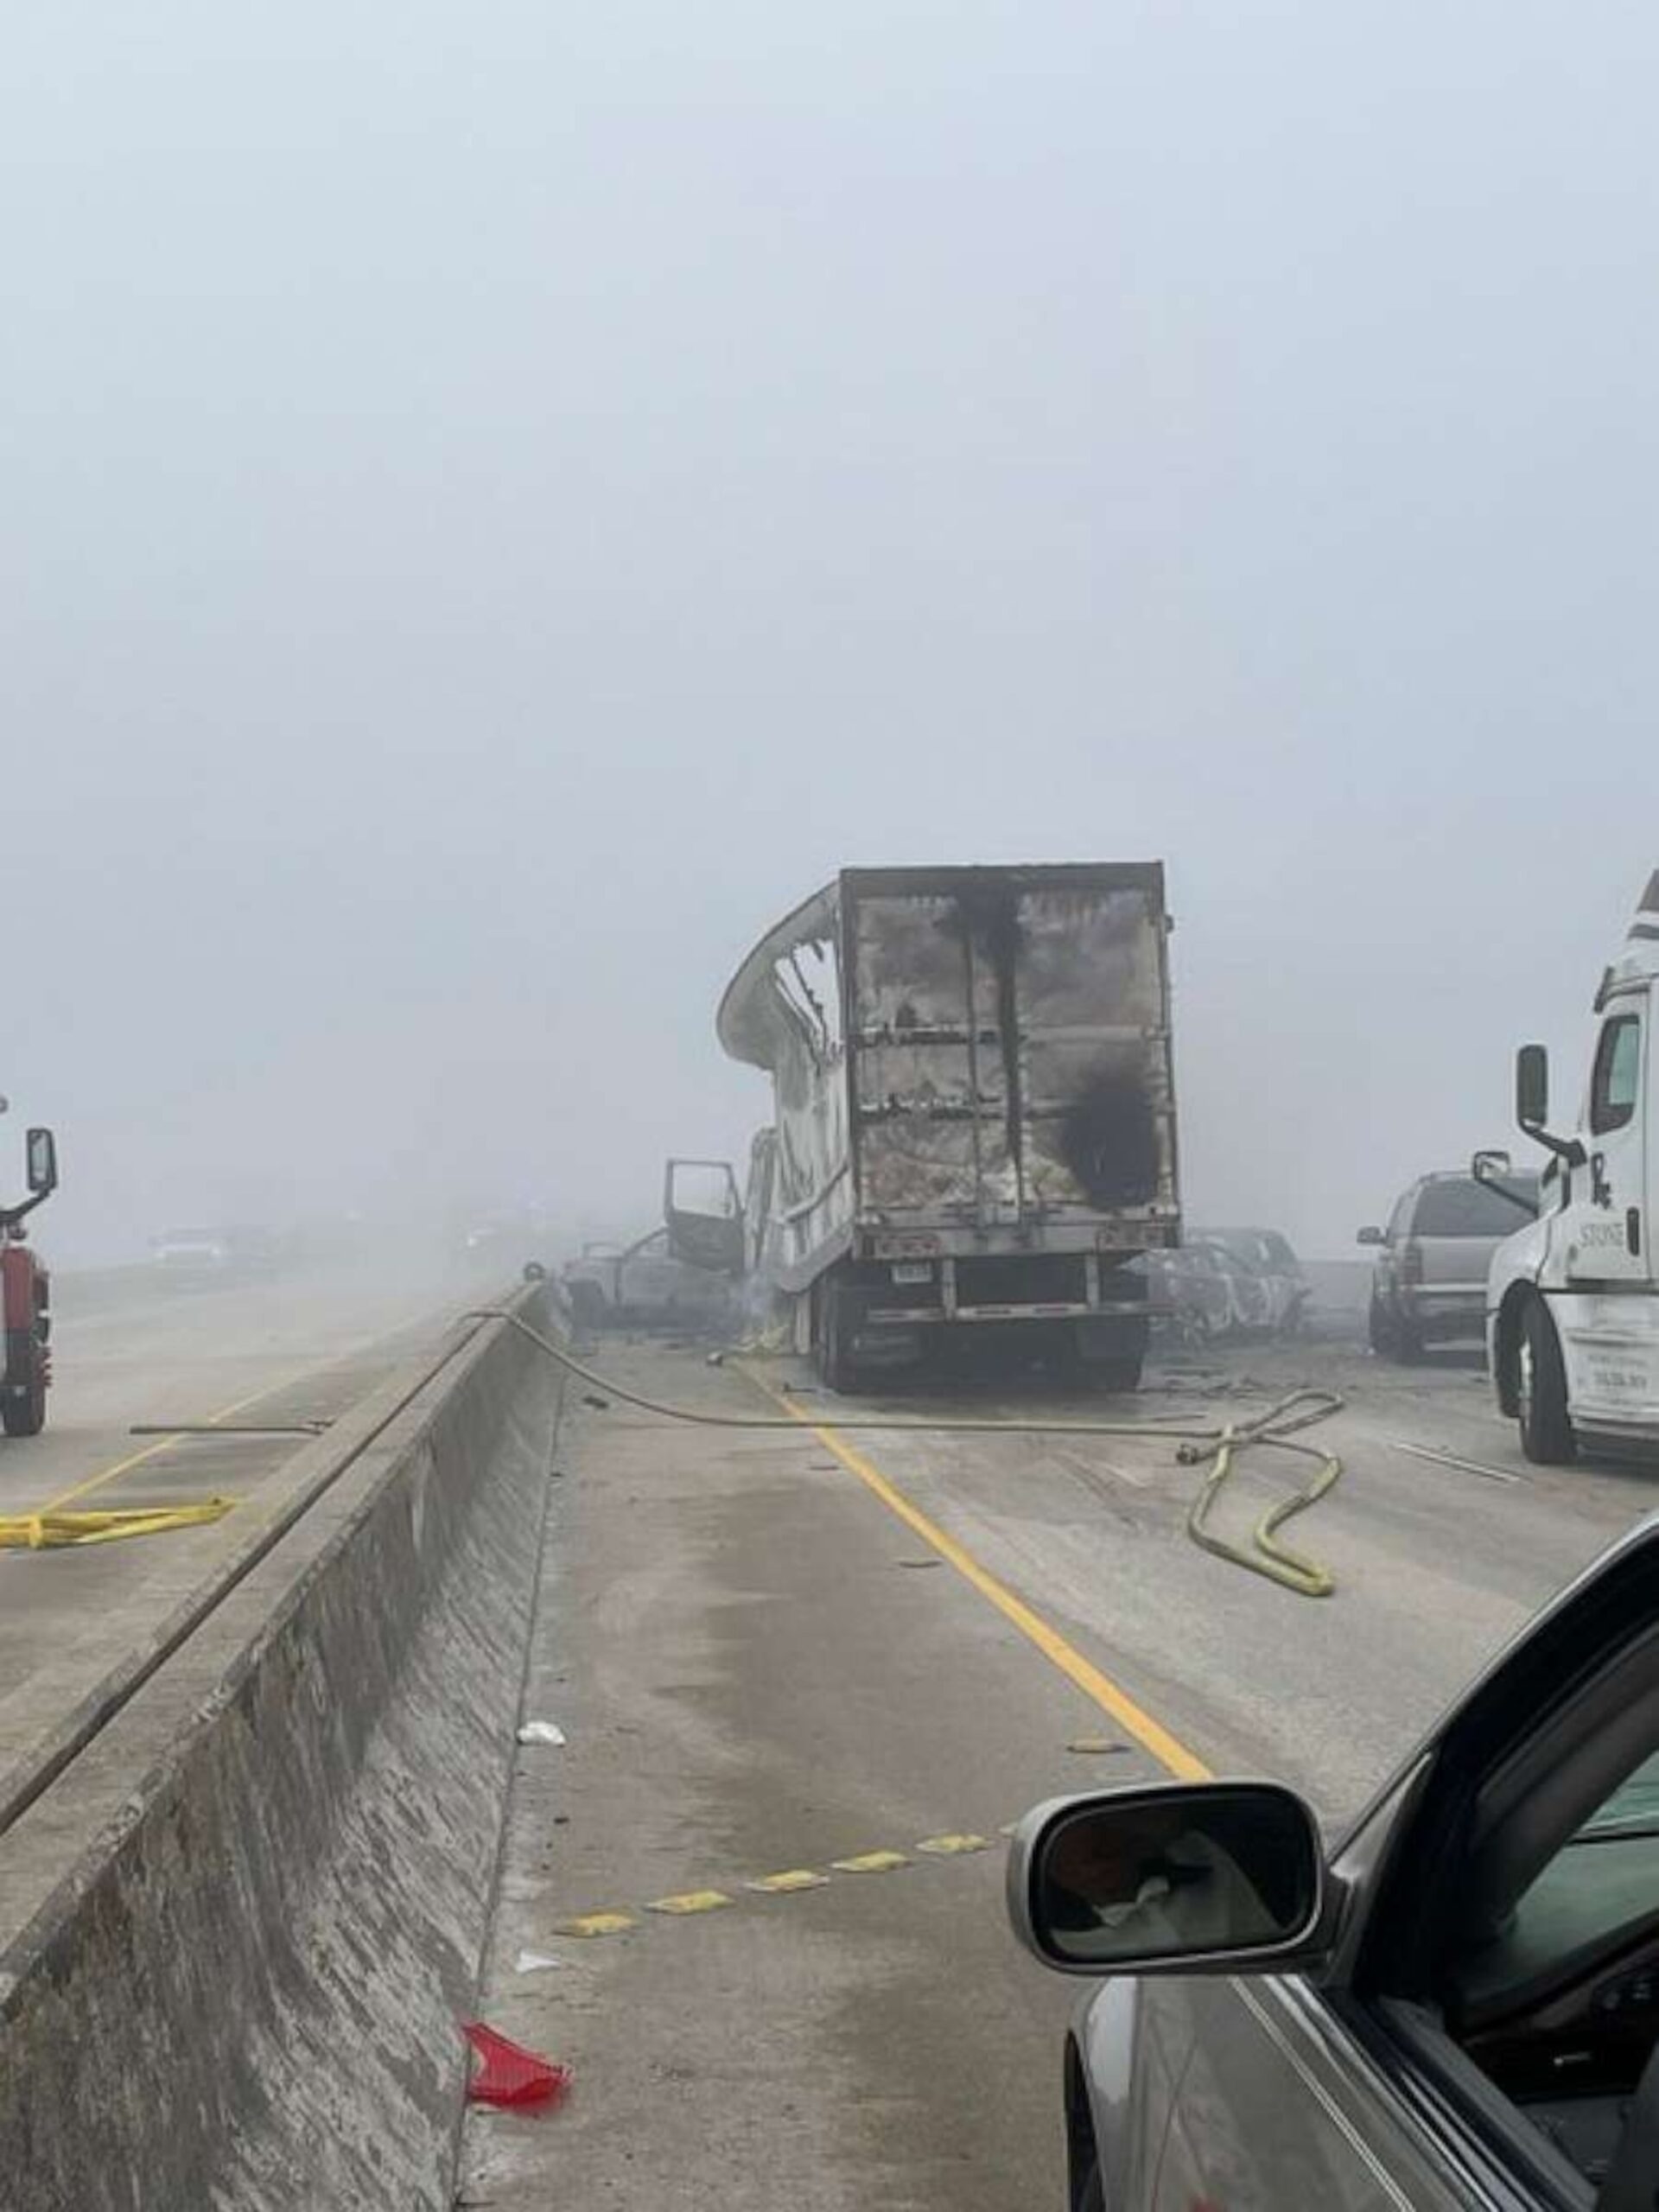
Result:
{"points": [[1275, 1430], [48, 1530]]}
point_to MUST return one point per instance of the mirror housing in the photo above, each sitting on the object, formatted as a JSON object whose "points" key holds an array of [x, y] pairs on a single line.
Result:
{"points": [[534, 1271], [1170, 1878], [1371, 1235], [1532, 1088], [41, 1152], [1532, 1105]]}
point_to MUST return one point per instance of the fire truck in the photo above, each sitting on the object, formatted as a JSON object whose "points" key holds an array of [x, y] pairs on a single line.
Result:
{"points": [[25, 1298]]}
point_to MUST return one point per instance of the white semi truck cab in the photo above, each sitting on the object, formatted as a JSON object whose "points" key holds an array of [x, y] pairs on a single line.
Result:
{"points": [[1573, 1298]]}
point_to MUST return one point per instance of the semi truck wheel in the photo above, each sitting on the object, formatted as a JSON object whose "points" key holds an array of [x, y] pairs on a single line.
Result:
{"points": [[1547, 1434], [836, 1321], [23, 1403]]}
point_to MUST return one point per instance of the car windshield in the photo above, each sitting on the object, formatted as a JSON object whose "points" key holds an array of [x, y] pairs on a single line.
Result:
{"points": [[1461, 1207]]}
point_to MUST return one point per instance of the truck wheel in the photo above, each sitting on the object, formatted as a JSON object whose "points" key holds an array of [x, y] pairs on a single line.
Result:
{"points": [[835, 1317], [23, 1411], [1115, 1375], [1547, 1435]]}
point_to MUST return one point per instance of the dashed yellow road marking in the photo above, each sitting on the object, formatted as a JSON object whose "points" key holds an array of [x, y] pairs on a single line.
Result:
{"points": [[595, 1924], [789, 1881], [1168, 1750]]}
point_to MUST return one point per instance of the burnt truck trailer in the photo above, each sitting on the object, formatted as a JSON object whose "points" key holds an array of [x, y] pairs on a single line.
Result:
{"points": [[974, 1121]]}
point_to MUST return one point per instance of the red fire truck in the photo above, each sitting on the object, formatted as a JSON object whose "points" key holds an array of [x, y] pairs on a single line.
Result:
{"points": [[25, 1297]]}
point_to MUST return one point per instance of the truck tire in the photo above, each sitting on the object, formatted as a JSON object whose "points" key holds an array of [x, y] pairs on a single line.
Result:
{"points": [[22, 1409], [1392, 1338], [1117, 1375], [1547, 1433], [834, 1322]]}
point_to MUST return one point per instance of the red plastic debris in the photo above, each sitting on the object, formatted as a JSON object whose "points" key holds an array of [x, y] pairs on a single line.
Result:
{"points": [[507, 2074]]}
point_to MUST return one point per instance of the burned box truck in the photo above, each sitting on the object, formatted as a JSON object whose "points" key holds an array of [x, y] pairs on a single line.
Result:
{"points": [[974, 1113]]}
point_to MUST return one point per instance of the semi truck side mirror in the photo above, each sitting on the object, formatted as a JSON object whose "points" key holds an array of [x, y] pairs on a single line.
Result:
{"points": [[41, 1148], [1532, 1105], [1532, 1088]]}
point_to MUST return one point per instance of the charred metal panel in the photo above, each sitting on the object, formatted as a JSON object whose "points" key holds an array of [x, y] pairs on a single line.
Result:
{"points": [[784, 1011], [980, 1054], [1010, 1046]]}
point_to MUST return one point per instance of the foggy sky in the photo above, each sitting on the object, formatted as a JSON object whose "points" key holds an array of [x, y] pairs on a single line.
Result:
{"points": [[500, 502]]}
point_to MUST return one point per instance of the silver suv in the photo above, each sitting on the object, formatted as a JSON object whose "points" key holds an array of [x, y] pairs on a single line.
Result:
{"points": [[1428, 1285]]}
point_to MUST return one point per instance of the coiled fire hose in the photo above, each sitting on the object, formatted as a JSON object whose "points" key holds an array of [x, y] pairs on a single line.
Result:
{"points": [[1277, 1430]]}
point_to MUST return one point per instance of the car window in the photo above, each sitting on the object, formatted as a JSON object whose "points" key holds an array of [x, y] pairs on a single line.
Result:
{"points": [[1617, 1083], [1634, 1805], [1400, 1219], [1461, 1207]]}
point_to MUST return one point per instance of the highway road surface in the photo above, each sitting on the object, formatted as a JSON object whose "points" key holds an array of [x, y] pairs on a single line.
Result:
{"points": [[290, 1350], [808, 1675]]}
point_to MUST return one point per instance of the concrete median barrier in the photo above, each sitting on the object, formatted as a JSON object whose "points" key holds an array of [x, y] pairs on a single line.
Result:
{"points": [[242, 1990]]}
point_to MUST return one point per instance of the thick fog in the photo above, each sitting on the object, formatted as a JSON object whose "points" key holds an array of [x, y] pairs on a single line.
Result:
{"points": [[499, 503]]}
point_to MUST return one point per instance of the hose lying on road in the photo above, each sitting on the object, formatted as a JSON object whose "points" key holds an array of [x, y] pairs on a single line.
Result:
{"points": [[1294, 1569], [1275, 1429], [49, 1531]]}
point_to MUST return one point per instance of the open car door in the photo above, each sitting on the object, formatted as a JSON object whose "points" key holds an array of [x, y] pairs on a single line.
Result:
{"points": [[704, 1215]]}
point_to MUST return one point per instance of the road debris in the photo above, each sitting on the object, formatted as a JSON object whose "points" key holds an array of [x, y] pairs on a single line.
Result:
{"points": [[1094, 1745], [534, 1962], [509, 2074], [542, 1732]]}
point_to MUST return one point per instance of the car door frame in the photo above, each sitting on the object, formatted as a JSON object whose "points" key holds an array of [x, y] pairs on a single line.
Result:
{"points": [[1354, 2017]]}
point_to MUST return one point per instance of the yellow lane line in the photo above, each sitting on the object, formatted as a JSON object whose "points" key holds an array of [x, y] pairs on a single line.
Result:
{"points": [[1168, 1750], [166, 1443]]}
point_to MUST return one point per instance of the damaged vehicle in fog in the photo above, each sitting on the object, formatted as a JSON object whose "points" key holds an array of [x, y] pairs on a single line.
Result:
{"points": [[1228, 1284], [974, 1123], [681, 1273]]}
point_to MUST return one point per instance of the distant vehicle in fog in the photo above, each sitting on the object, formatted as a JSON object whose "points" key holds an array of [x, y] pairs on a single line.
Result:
{"points": [[1270, 1287], [186, 1251], [1428, 1283], [642, 1285], [1230, 1283], [238, 1251]]}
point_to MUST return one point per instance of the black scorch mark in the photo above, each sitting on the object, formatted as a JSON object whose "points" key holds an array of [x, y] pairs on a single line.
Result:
{"points": [[1109, 1140]]}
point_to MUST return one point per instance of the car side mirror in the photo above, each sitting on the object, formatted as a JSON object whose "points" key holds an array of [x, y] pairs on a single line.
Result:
{"points": [[1199, 1878], [1488, 1166], [1532, 1088], [40, 1150], [1372, 1236], [534, 1271]]}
